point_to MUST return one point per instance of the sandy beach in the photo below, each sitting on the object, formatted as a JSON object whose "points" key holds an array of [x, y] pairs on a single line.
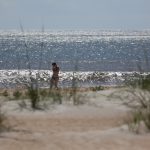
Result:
{"points": [[98, 124]]}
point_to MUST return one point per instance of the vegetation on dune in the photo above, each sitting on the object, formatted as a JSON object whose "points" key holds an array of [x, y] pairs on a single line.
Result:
{"points": [[97, 88], [17, 94], [142, 112], [3, 118], [5, 93], [137, 97]]}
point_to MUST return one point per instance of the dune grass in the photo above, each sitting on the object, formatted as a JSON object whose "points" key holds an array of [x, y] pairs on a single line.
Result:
{"points": [[2, 119], [137, 99]]}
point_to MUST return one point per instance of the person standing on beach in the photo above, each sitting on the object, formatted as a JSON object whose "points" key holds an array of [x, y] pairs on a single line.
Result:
{"points": [[55, 76]]}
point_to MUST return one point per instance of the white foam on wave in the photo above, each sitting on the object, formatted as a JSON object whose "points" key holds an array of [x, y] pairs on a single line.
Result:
{"points": [[9, 77]]}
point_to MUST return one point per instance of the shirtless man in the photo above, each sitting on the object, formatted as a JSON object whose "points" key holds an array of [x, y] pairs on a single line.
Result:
{"points": [[55, 78]]}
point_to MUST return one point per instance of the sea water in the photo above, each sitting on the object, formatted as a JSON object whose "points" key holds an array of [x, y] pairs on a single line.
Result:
{"points": [[85, 52]]}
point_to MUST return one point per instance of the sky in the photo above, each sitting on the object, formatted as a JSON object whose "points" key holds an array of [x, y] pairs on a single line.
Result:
{"points": [[75, 14]]}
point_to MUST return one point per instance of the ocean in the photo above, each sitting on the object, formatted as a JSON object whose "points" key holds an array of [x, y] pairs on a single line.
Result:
{"points": [[85, 52]]}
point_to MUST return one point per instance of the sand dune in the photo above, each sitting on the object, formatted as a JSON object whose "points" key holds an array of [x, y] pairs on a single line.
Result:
{"points": [[97, 125]]}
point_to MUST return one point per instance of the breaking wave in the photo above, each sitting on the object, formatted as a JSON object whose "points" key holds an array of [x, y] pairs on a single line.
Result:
{"points": [[13, 78]]}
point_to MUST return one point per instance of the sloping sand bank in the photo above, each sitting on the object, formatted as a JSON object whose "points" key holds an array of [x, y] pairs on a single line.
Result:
{"points": [[97, 125]]}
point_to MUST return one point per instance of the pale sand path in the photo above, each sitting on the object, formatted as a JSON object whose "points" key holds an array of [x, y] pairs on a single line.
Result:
{"points": [[98, 125]]}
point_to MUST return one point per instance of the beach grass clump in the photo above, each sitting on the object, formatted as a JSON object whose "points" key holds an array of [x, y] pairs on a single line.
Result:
{"points": [[97, 88], [74, 94], [34, 97], [140, 104], [43, 93], [140, 121], [5, 93], [142, 82], [56, 96], [17, 94], [145, 83], [145, 101], [39, 99], [2, 120], [138, 100], [77, 97]]}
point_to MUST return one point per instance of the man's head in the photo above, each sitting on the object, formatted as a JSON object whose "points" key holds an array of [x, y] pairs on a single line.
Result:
{"points": [[54, 64]]}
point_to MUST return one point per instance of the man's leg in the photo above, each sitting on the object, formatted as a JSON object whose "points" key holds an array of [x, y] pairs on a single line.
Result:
{"points": [[51, 83], [56, 83]]}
